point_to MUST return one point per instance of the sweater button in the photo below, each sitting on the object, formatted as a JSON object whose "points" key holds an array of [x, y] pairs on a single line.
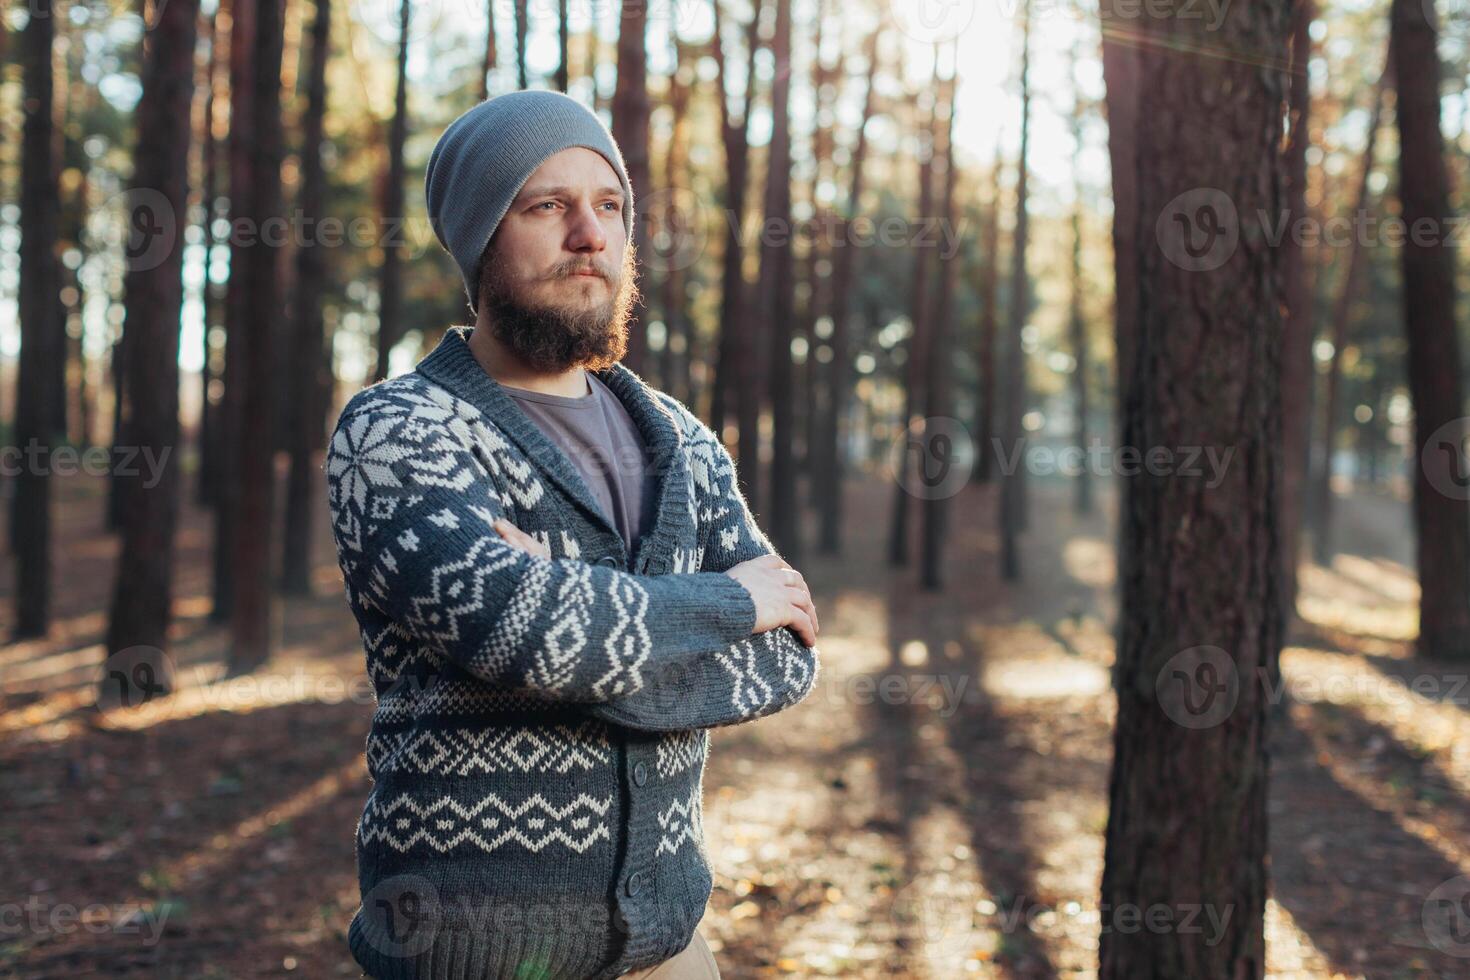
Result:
{"points": [[640, 773], [635, 881], [608, 560]]}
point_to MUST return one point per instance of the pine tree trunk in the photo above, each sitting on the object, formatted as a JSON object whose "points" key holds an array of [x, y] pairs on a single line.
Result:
{"points": [[732, 368], [830, 470], [1296, 353], [985, 354], [630, 130], [40, 341], [1200, 618], [916, 349], [251, 624], [1321, 477], [1441, 514], [522, 20], [1013, 486], [243, 14], [142, 597], [778, 292], [489, 63], [563, 37], [390, 276], [306, 323], [825, 81], [674, 363], [937, 459], [1077, 321]]}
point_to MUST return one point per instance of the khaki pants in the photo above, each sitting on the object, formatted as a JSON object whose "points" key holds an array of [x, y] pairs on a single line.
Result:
{"points": [[694, 962]]}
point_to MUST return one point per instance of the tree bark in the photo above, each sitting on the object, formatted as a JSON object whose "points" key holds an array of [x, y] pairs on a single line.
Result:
{"points": [[40, 341], [674, 362], [1296, 353], [778, 292], [142, 598], [916, 350], [985, 355], [1321, 478], [938, 447], [1441, 514], [390, 277], [251, 625], [1013, 486], [237, 322], [522, 19], [829, 475], [730, 367], [1077, 320], [563, 37], [1200, 619], [630, 130], [825, 80], [489, 63], [306, 324]]}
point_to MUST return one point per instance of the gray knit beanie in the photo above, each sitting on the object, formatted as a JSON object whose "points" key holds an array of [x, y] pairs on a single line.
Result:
{"points": [[486, 156]]}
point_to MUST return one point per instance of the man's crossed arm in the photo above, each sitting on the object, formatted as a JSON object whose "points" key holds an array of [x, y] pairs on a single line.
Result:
{"points": [[414, 518], [779, 591]]}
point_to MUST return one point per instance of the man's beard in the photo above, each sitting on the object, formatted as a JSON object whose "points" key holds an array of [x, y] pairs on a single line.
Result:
{"points": [[557, 338]]}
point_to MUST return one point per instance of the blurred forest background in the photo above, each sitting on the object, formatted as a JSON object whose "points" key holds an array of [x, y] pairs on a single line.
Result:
{"points": [[933, 272]]}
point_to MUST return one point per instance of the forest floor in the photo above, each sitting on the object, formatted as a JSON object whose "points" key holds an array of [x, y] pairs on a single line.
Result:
{"points": [[934, 809]]}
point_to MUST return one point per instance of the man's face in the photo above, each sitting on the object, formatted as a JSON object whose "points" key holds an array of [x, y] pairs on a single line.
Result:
{"points": [[558, 280]]}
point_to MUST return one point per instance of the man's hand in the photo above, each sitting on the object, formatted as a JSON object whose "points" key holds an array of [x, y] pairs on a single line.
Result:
{"points": [[780, 593], [781, 596], [520, 539]]}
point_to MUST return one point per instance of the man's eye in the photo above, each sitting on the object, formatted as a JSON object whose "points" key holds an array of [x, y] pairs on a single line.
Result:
{"points": [[614, 205], [546, 204]]}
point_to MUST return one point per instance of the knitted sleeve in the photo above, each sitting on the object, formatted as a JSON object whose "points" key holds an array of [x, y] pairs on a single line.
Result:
{"points": [[413, 505], [756, 676]]}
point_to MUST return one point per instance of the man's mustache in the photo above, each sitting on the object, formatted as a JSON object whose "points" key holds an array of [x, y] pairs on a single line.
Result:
{"points": [[572, 270]]}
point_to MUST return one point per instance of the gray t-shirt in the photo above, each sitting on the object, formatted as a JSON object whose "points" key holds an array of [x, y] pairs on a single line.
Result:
{"points": [[603, 442]]}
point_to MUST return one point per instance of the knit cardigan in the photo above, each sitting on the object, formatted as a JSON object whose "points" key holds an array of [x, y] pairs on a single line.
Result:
{"points": [[538, 746]]}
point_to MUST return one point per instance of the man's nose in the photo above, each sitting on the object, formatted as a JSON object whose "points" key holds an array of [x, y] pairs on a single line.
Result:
{"points": [[586, 232]]}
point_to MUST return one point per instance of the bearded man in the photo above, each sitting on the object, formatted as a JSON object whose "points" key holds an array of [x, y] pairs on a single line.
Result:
{"points": [[560, 591]]}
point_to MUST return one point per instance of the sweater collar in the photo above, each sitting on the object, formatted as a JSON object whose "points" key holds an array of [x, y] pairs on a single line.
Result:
{"points": [[452, 365]]}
